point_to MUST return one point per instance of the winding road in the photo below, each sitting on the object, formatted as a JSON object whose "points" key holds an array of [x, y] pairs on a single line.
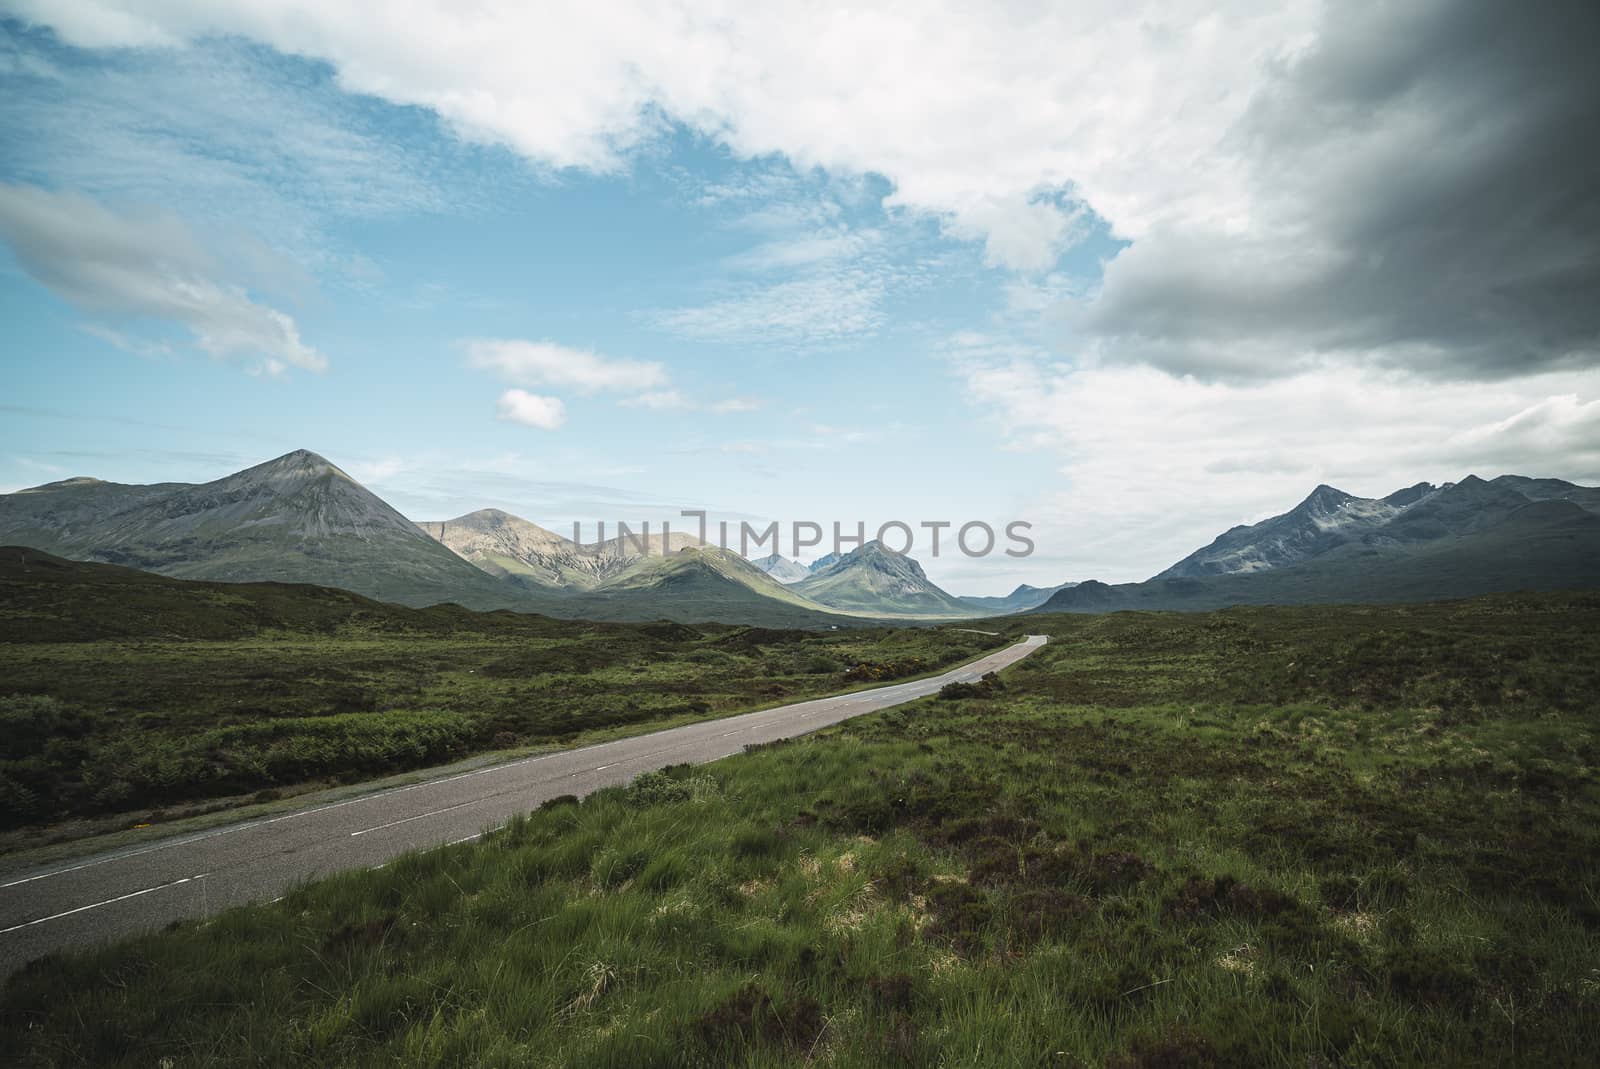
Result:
{"points": [[121, 892]]}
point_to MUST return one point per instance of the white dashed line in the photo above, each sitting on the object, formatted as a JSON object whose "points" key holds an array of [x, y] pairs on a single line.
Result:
{"points": [[107, 902]]}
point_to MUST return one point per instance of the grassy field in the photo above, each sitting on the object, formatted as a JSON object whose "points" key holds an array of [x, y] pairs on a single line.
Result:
{"points": [[1298, 837], [147, 697]]}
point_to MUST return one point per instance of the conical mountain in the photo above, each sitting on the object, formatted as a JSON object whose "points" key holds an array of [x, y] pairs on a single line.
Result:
{"points": [[297, 519], [873, 579]]}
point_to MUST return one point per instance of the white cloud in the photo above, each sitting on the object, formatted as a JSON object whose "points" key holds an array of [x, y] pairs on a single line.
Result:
{"points": [[530, 409], [971, 112], [673, 400], [1263, 158], [1155, 464], [149, 266], [817, 310], [377, 471], [660, 400], [805, 249], [1025, 233], [547, 364]]}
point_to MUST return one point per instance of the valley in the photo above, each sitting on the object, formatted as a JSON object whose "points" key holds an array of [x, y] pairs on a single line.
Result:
{"points": [[1386, 831], [494, 776]]}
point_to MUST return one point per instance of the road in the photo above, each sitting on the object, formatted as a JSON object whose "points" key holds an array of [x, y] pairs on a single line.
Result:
{"points": [[122, 892]]}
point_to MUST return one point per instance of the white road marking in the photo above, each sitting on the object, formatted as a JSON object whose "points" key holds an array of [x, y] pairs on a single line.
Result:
{"points": [[419, 816], [107, 902], [185, 840]]}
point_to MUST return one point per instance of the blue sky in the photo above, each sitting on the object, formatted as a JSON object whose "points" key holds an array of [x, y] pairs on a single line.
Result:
{"points": [[787, 289]]}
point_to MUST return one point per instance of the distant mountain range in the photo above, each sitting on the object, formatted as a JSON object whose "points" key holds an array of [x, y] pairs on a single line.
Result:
{"points": [[1424, 542], [512, 547], [1019, 600], [301, 519], [295, 519]]}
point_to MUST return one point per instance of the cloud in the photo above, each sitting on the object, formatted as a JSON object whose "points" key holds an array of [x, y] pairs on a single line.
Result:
{"points": [[1154, 464], [660, 400], [1415, 198], [979, 118], [145, 266], [548, 364], [1022, 232], [816, 310], [532, 410], [673, 400], [1390, 185], [244, 139], [804, 249]]}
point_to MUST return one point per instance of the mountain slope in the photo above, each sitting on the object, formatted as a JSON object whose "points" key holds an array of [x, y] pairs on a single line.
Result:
{"points": [[509, 546], [877, 580], [1330, 518], [294, 519], [700, 584], [782, 568], [1542, 545], [514, 548], [1326, 519], [45, 598]]}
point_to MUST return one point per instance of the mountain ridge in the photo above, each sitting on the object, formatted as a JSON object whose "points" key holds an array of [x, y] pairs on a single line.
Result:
{"points": [[1458, 539]]}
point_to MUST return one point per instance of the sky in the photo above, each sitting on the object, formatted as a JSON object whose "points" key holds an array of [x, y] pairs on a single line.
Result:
{"points": [[1132, 273]]}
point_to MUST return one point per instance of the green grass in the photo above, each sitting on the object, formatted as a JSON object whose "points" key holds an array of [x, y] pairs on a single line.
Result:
{"points": [[1303, 837], [144, 717]]}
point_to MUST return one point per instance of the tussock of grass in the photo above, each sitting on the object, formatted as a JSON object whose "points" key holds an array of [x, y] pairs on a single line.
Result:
{"points": [[1132, 856]]}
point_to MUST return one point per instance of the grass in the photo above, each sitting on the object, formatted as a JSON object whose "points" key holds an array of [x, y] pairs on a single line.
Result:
{"points": [[1334, 836], [119, 708]]}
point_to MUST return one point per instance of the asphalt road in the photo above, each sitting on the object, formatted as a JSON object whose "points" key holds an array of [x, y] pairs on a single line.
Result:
{"points": [[122, 892]]}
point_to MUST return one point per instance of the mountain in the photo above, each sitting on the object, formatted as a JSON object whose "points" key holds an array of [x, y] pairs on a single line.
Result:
{"points": [[825, 561], [1019, 600], [1457, 540], [294, 519], [782, 568], [1587, 497], [878, 580], [1325, 519], [1330, 518], [529, 555], [704, 583]]}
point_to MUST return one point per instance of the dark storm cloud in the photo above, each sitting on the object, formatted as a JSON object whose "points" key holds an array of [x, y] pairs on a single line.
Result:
{"points": [[1424, 191]]}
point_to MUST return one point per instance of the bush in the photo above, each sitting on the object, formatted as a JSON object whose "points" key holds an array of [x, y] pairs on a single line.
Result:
{"points": [[987, 687], [662, 788]]}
